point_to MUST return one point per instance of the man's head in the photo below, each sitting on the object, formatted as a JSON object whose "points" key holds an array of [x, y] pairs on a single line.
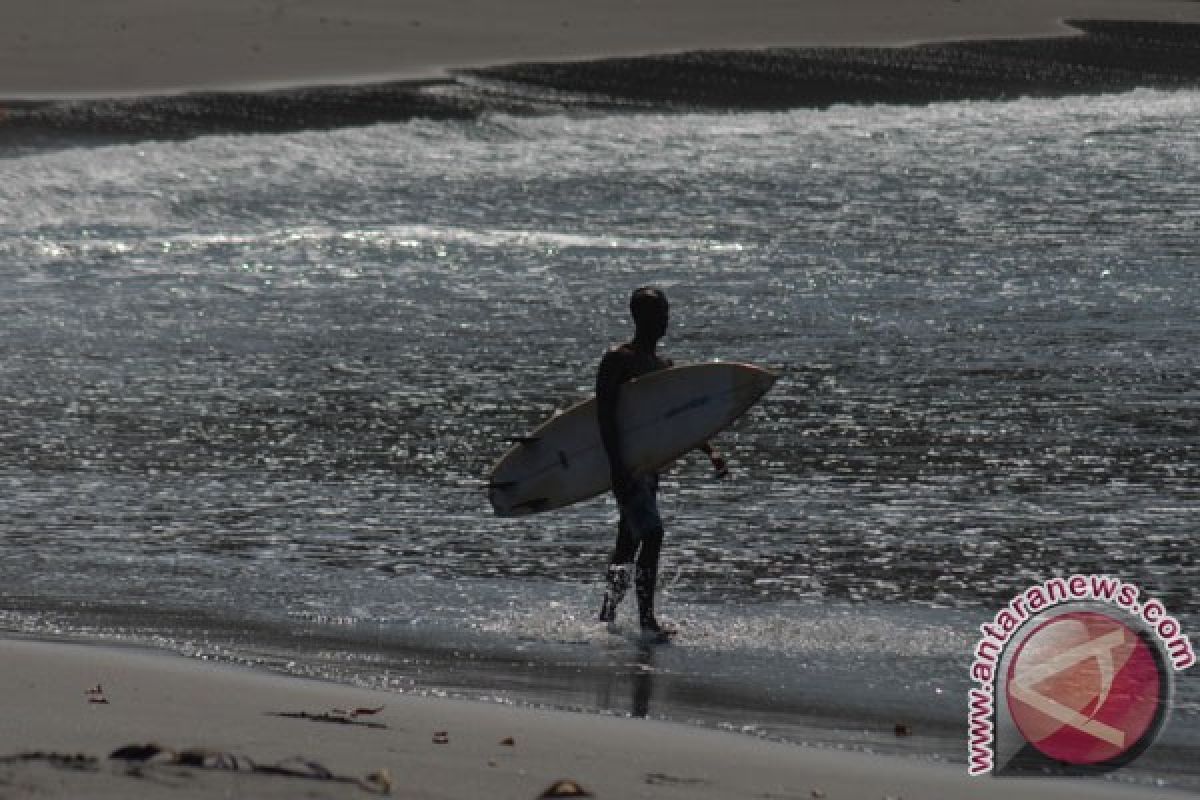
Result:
{"points": [[650, 312]]}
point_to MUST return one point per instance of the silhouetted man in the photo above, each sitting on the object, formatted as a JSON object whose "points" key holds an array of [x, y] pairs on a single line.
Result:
{"points": [[640, 531]]}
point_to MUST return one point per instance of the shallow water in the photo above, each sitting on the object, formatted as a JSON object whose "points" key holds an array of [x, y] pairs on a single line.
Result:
{"points": [[251, 385]]}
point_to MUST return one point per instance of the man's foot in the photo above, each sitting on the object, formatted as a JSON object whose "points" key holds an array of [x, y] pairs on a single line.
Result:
{"points": [[618, 580], [654, 631], [608, 609]]}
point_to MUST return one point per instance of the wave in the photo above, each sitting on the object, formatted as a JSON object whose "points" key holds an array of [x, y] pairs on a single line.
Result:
{"points": [[1108, 56]]}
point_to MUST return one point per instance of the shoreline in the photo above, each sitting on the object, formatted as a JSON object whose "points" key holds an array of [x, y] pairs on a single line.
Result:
{"points": [[70, 705], [1106, 57], [57, 48], [611, 675]]}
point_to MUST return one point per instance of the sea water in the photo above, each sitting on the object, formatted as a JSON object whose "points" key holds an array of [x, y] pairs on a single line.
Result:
{"points": [[251, 385]]}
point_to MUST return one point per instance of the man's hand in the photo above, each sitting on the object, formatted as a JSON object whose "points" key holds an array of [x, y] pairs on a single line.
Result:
{"points": [[718, 463], [719, 466]]}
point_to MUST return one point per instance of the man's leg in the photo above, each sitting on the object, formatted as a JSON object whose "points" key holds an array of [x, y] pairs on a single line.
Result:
{"points": [[620, 571], [646, 580], [648, 524]]}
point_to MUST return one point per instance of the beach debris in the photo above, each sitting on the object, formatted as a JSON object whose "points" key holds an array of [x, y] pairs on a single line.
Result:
{"points": [[564, 789], [75, 761], [365, 712], [441, 737], [96, 695], [381, 778], [903, 729], [662, 778], [508, 741], [337, 716], [136, 752], [213, 759], [139, 756]]}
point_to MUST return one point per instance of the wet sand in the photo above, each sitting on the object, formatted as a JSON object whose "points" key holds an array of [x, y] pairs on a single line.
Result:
{"points": [[1101, 57], [66, 48]]}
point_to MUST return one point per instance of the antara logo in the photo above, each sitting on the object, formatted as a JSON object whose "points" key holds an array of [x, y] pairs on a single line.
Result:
{"points": [[1074, 676]]}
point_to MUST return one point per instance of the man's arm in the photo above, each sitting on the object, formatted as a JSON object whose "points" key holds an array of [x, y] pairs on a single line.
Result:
{"points": [[608, 391]]}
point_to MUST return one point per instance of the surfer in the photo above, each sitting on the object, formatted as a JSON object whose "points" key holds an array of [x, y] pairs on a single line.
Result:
{"points": [[640, 530]]}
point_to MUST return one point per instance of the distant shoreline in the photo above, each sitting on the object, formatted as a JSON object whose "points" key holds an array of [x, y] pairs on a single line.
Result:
{"points": [[1107, 57], [58, 49]]}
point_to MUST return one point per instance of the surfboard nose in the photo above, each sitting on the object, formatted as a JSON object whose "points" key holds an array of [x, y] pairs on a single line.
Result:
{"points": [[765, 380], [752, 382]]}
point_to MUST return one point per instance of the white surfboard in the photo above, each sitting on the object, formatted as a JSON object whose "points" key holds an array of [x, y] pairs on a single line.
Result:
{"points": [[661, 416]]}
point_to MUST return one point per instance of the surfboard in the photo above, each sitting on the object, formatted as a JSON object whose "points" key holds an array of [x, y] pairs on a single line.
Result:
{"points": [[661, 416]]}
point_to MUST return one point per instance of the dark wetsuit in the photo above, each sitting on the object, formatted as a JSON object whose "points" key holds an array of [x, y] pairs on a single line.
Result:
{"points": [[640, 530]]}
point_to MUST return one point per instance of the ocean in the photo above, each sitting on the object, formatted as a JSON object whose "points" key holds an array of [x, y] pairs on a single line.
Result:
{"points": [[251, 386]]}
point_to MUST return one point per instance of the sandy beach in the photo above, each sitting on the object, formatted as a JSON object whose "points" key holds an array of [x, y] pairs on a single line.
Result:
{"points": [[61, 48], [225, 731]]}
